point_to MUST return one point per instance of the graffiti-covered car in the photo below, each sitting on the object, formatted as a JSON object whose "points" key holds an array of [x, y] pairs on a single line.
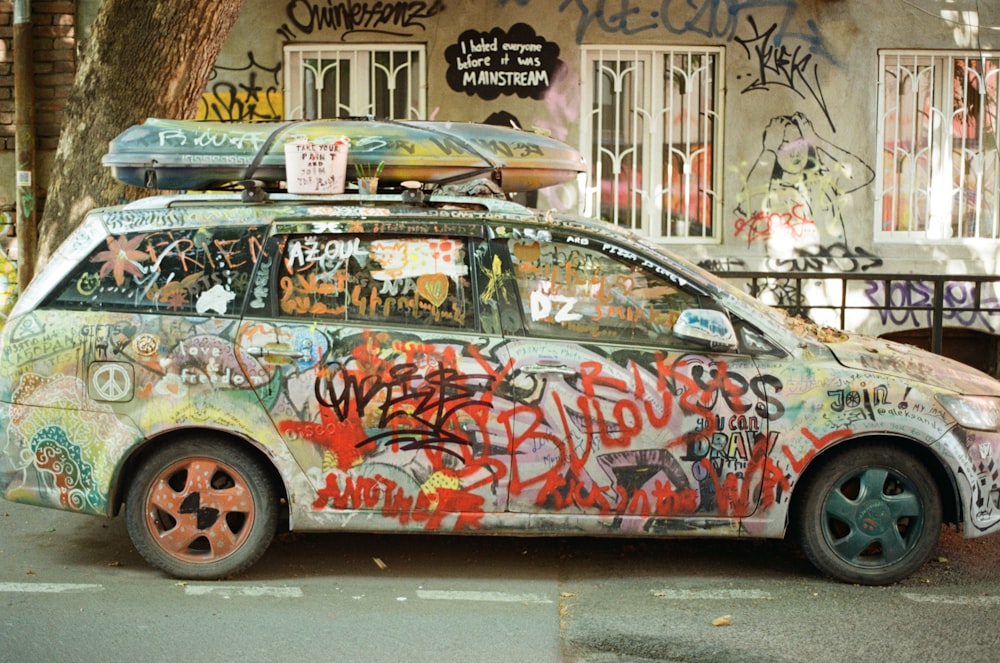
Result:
{"points": [[217, 364]]}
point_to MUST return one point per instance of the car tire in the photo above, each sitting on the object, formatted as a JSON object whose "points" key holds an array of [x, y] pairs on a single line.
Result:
{"points": [[203, 508], [870, 515]]}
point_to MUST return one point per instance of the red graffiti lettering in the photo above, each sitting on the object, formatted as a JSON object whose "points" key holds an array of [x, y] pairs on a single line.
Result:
{"points": [[818, 444]]}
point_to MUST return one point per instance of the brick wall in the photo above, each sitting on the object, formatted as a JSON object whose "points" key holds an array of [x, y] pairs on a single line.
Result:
{"points": [[54, 37], [6, 76]]}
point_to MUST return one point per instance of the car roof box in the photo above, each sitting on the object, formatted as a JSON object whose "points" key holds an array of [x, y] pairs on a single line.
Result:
{"points": [[194, 155]]}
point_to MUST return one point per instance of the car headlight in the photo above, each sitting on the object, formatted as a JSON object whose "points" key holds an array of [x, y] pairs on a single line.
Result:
{"points": [[975, 412]]}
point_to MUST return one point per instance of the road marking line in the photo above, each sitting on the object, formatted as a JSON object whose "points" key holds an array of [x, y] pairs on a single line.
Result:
{"points": [[48, 587], [953, 600], [496, 597], [253, 591], [710, 594]]}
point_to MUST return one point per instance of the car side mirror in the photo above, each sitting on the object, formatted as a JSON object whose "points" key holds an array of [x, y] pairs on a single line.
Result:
{"points": [[706, 327]]}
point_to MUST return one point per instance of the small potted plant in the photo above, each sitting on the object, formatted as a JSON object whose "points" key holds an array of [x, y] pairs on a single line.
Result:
{"points": [[368, 177]]}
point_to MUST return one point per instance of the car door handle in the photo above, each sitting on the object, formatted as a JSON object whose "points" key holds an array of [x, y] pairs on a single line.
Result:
{"points": [[558, 369], [274, 351]]}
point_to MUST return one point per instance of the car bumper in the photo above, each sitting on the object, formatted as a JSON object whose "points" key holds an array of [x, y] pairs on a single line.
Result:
{"points": [[63, 464], [974, 458]]}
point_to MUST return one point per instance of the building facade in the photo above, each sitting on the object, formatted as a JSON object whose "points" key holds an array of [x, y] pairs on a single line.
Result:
{"points": [[839, 158]]}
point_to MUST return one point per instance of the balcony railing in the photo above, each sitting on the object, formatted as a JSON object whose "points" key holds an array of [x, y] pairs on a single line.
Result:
{"points": [[903, 301]]}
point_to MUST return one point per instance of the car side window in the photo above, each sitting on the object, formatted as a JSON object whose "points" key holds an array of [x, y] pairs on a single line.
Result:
{"points": [[188, 271], [574, 292], [383, 279]]}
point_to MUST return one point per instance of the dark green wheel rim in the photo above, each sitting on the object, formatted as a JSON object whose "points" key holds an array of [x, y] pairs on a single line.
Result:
{"points": [[873, 517]]}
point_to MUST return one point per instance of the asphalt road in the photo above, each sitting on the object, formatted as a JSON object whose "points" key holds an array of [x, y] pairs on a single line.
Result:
{"points": [[72, 588]]}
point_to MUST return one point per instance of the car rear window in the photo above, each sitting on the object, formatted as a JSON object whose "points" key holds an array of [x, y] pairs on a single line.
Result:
{"points": [[191, 271]]}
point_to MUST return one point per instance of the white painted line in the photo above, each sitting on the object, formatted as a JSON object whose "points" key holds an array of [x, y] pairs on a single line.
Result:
{"points": [[48, 587], [252, 591], [495, 597], [710, 594], [953, 600]]}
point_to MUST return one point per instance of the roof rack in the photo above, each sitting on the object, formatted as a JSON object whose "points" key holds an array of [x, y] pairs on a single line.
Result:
{"points": [[194, 155]]}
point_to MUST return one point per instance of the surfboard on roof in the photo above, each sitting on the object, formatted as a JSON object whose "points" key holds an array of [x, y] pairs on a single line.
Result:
{"points": [[195, 155]]}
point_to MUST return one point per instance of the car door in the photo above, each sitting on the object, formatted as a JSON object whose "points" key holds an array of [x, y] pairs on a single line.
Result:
{"points": [[616, 415], [381, 372]]}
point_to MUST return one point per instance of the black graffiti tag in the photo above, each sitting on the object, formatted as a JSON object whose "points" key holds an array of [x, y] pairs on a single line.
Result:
{"points": [[391, 18], [778, 65], [252, 100], [416, 412]]}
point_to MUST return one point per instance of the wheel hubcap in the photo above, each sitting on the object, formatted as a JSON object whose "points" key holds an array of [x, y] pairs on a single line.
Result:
{"points": [[873, 517], [199, 510]]}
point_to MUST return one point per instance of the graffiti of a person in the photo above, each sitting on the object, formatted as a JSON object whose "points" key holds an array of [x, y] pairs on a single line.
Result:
{"points": [[794, 194]]}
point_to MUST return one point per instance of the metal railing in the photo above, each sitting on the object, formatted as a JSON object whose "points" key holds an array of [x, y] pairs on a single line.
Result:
{"points": [[972, 300]]}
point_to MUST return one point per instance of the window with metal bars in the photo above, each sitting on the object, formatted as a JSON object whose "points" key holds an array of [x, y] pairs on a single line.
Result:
{"points": [[939, 166], [651, 125], [378, 80]]}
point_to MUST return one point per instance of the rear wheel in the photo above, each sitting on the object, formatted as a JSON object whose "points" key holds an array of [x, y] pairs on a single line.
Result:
{"points": [[871, 515], [203, 508]]}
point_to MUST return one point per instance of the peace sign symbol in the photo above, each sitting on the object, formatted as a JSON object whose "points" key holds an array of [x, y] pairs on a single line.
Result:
{"points": [[111, 382]]}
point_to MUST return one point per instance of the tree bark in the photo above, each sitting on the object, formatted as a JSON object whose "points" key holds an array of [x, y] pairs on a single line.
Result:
{"points": [[146, 58]]}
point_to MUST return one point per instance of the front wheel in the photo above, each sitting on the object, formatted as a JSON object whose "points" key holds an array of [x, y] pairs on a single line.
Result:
{"points": [[871, 515], [201, 509]]}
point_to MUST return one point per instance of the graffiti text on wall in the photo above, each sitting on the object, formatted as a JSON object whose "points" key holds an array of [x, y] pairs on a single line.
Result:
{"points": [[779, 66], [911, 303], [836, 257], [715, 19], [398, 19], [249, 100], [492, 63]]}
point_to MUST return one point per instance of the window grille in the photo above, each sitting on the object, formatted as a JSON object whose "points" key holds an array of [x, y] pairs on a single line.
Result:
{"points": [[938, 163], [651, 123], [379, 80]]}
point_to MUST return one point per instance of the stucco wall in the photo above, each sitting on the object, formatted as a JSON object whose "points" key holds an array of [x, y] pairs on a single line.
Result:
{"points": [[804, 66]]}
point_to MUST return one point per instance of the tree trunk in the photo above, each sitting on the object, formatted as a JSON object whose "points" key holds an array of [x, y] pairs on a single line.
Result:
{"points": [[150, 58]]}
